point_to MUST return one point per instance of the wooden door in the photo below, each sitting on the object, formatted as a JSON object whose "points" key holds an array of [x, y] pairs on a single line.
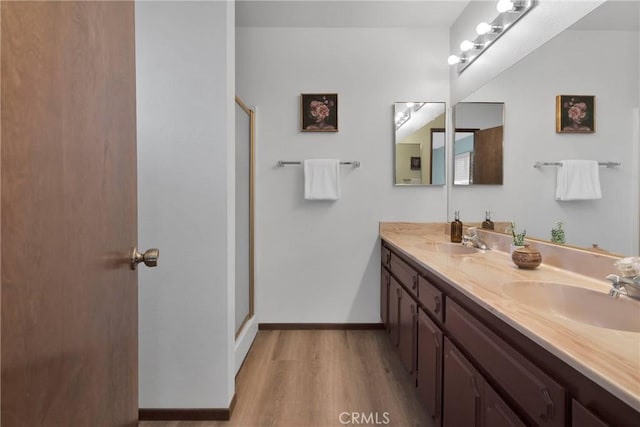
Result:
{"points": [[487, 156], [68, 214], [429, 373], [462, 391]]}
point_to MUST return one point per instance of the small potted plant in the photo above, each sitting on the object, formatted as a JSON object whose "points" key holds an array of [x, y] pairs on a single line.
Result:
{"points": [[518, 238], [557, 234]]}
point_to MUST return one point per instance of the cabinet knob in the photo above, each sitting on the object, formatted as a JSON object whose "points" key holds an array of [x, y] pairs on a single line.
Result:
{"points": [[415, 282], [436, 299]]}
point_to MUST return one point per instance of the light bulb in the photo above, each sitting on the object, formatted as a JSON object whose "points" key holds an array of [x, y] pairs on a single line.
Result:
{"points": [[504, 6], [453, 59], [466, 45], [483, 28]]}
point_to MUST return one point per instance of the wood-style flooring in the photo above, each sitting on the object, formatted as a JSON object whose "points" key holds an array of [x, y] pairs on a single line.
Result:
{"points": [[312, 378]]}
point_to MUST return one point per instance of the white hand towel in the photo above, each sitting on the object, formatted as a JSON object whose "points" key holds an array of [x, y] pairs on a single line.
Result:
{"points": [[322, 179], [578, 180]]}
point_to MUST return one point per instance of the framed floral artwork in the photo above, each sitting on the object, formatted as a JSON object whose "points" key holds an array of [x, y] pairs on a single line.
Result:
{"points": [[575, 114], [319, 112]]}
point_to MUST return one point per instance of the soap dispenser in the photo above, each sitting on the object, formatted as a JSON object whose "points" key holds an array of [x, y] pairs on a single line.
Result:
{"points": [[487, 224], [456, 228]]}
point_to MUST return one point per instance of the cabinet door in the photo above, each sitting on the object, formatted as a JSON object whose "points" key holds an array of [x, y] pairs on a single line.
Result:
{"points": [[462, 391], [496, 412], [394, 311], [582, 417], [407, 331], [430, 366], [384, 298]]}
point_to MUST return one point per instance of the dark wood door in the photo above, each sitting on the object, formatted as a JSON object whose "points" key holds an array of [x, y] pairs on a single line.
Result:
{"points": [[487, 156], [68, 213], [430, 366], [407, 331], [462, 392]]}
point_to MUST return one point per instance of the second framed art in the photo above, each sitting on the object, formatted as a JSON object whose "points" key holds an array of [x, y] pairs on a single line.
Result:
{"points": [[319, 112], [575, 114]]}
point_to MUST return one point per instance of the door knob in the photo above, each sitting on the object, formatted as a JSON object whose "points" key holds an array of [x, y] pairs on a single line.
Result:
{"points": [[149, 257]]}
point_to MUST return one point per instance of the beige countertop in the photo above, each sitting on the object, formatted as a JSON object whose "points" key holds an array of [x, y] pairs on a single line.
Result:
{"points": [[609, 357]]}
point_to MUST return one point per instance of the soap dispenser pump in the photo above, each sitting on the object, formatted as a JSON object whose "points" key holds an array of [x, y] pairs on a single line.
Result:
{"points": [[456, 228], [487, 224]]}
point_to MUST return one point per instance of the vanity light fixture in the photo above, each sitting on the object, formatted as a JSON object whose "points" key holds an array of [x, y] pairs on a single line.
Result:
{"points": [[455, 59], [466, 46], [484, 28], [509, 6], [509, 12]]}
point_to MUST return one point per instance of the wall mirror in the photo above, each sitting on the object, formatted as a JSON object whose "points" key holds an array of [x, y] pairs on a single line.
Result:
{"points": [[528, 90], [478, 142], [419, 143]]}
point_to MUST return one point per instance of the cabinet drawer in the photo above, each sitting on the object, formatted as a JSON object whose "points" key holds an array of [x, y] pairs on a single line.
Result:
{"points": [[431, 298], [405, 274], [385, 257], [539, 396]]}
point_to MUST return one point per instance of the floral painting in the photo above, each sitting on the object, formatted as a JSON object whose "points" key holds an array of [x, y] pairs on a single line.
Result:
{"points": [[575, 114], [319, 112]]}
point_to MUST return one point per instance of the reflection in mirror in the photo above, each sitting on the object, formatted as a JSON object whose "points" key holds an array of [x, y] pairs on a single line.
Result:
{"points": [[478, 143], [529, 89], [419, 143]]}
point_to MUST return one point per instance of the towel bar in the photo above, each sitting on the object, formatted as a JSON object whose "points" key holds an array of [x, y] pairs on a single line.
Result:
{"points": [[607, 164], [282, 163]]}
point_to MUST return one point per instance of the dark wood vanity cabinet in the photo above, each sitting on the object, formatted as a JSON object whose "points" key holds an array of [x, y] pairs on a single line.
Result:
{"points": [[496, 412], [468, 399], [582, 417], [462, 391], [395, 291], [467, 373], [407, 331], [429, 369], [385, 282]]}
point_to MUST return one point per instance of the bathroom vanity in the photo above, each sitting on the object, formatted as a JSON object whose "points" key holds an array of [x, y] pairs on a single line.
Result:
{"points": [[488, 344]]}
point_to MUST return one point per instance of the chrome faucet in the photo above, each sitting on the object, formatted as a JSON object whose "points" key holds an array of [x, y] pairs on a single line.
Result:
{"points": [[626, 285], [475, 240]]}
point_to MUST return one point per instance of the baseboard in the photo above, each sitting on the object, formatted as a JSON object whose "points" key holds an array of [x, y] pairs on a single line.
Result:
{"points": [[187, 414], [320, 326]]}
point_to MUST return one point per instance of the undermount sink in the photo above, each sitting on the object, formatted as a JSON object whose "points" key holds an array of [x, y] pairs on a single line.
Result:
{"points": [[579, 304], [450, 248]]}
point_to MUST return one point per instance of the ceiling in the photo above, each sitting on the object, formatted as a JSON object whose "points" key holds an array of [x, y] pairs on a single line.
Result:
{"points": [[612, 15], [349, 13]]}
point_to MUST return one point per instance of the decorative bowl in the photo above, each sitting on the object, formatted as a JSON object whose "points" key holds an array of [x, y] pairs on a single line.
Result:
{"points": [[526, 257]]}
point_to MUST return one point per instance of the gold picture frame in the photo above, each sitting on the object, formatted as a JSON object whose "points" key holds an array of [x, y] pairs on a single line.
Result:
{"points": [[319, 112], [575, 114]]}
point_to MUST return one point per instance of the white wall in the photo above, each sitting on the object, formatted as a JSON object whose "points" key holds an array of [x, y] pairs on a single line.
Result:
{"points": [[581, 63], [319, 261], [185, 80]]}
